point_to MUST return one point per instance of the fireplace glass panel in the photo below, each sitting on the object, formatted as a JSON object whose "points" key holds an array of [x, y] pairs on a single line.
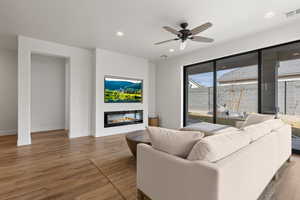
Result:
{"points": [[120, 118]]}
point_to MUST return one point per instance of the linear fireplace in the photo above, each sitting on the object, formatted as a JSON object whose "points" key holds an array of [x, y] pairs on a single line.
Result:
{"points": [[121, 118]]}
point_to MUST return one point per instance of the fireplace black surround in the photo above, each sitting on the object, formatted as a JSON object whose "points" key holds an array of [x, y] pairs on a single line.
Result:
{"points": [[121, 118]]}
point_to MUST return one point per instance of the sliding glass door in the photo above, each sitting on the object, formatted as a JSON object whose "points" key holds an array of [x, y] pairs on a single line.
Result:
{"points": [[237, 88], [264, 81], [199, 89], [284, 95]]}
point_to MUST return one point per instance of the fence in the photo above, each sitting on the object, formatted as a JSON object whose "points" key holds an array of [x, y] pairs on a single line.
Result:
{"points": [[243, 98]]}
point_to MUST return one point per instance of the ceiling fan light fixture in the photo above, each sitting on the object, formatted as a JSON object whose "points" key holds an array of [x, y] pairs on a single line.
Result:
{"points": [[182, 45]]}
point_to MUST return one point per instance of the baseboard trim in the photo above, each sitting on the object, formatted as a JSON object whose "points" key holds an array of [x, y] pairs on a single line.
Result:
{"points": [[8, 132], [49, 131]]}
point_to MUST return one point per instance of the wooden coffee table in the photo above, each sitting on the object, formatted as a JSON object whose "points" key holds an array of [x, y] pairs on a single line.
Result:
{"points": [[136, 137]]}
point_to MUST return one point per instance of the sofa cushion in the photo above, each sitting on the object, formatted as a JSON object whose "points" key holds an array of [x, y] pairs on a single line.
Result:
{"points": [[178, 143], [229, 129], [217, 147], [275, 124], [207, 128], [255, 119], [256, 131]]}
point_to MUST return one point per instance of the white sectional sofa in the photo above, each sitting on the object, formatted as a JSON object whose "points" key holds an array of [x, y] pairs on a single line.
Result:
{"points": [[241, 175]]}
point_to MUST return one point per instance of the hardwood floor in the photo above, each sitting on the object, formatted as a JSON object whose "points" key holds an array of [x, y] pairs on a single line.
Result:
{"points": [[54, 167]]}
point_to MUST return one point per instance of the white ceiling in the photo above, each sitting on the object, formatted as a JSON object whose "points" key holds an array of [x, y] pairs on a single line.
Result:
{"points": [[93, 23]]}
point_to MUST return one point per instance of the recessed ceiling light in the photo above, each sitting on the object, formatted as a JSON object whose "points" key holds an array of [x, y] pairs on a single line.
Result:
{"points": [[119, 33], [171, 50], [296, 54], [269, 15]]}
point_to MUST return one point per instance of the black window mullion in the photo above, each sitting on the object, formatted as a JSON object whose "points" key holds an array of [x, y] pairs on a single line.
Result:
{"points": [[259, 80], [215, 94], [185, 95], [276, 87]]}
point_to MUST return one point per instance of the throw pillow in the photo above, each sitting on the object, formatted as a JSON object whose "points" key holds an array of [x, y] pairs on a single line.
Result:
{"points": [[178, 143], [216, 147]]}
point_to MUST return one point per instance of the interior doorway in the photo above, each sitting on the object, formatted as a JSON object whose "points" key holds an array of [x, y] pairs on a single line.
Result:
{"points": [[49, 93]]}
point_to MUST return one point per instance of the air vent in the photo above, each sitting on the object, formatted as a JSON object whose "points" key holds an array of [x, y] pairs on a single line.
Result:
{"points": [[293, 13]]}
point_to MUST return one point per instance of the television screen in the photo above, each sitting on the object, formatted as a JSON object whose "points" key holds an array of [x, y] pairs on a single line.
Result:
{"points": [[122, 90]]}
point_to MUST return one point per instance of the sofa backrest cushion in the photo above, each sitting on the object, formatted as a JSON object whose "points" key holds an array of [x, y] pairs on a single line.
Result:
{"points": [[276, 124], [255, 119], [229, 129], [178, 143], [217, 147], [256, 131]]}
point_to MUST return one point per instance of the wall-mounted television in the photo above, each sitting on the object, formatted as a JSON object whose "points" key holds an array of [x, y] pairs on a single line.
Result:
{"points": [[122, 90]]}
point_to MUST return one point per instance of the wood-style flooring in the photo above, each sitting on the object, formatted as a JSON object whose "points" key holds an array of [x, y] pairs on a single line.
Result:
{"points": [[54, 167]]}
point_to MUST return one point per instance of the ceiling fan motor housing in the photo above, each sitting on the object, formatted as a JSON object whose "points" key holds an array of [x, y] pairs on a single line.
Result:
{"points": [[185, 33]]}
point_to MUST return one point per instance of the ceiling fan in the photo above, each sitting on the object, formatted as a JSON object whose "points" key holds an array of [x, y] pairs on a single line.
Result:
{"points": [[184, 34]]}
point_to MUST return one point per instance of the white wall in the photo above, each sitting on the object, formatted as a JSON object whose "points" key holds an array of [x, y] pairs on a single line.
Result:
{"points": [[67, 94], [80, 75], [8, 92], [152, 90], [47, 93], [169, 72], [115, 64]]}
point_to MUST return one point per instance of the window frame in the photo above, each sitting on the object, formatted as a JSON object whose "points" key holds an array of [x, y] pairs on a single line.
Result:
{"points": [[214, 61]]}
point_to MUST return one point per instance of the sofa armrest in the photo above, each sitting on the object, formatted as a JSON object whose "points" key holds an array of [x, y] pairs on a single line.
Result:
{"points": [[163, 176]]}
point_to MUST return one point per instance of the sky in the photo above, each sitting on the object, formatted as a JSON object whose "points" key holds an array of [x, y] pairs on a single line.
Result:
{"points": [[207, 79], [122, 79]]}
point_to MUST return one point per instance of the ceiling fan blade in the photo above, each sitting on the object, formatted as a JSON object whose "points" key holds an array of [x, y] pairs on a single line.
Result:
{"points": [[201, 28], [171, 30], [166, 41], [201, 39]]}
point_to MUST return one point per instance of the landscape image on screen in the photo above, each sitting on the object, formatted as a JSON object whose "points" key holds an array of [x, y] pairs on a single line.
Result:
{"points": [[121, 90]]}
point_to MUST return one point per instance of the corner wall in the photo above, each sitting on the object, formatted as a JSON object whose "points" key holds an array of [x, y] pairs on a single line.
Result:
{"points": [[80, 74], [169, 89], [8, 92], [116, 64]]}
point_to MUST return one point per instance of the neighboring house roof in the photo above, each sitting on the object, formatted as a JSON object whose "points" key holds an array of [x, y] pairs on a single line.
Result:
{"points": [[241, 74], [194, 84], [287, 69]]}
